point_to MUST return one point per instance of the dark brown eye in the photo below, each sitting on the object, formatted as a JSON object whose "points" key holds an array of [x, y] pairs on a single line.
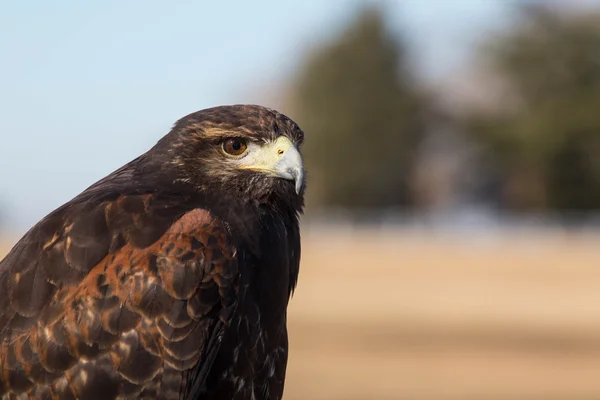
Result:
{"points": [[235, 147]]}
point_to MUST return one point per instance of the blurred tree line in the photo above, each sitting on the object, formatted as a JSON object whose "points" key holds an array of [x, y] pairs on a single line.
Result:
{"points": [[368, 120], [547, 139], [356, 98]]}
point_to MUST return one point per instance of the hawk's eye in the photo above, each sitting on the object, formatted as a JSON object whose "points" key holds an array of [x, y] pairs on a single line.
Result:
{"points": [[235, 147]]}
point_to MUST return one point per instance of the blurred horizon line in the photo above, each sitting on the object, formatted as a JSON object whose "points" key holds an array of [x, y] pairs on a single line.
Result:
{"points": [[468, 222]]}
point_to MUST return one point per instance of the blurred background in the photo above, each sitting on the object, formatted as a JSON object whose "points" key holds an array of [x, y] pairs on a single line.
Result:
{"points": [[451, 238]]}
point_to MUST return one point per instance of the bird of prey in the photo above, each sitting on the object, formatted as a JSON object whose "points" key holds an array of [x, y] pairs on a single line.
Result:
{"points": [[169, 278]]}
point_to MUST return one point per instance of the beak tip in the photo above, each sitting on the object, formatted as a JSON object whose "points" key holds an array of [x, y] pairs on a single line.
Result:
{"points": [[298, 175]]}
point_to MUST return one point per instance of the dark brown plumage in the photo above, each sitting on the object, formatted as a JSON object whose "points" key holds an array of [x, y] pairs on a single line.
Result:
{"points": [[169, 278]]}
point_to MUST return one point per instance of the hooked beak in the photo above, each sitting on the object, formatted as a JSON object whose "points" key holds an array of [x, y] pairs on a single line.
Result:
{"points": [[291, 167], [279, 159]]}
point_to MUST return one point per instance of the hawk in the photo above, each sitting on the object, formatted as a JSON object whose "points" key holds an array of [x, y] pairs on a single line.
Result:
{"points": [[169, 278]]}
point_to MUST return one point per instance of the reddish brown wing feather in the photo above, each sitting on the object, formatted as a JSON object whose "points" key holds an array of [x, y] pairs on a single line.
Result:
{"points": [[113, 302]]}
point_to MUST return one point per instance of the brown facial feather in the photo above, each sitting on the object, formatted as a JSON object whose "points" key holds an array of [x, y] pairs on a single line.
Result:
{"points": [[255, 122], [192, 150], [140, 315]]}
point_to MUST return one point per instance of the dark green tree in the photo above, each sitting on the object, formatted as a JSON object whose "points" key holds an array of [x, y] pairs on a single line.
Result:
{"points": [[546, 138], [356, 101]]}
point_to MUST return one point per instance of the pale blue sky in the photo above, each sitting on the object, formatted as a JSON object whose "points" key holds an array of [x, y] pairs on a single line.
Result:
{"points": [[87, 86]]}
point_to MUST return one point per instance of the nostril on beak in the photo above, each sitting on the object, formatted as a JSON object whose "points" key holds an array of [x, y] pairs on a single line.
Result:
{"points": [[280, 151]]}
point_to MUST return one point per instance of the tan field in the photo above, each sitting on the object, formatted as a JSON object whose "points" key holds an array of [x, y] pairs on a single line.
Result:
{"points": [[407, 316], [398, 315]]}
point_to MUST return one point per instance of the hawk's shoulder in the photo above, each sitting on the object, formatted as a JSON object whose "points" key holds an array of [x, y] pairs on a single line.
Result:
{"points": [[116, 296]]}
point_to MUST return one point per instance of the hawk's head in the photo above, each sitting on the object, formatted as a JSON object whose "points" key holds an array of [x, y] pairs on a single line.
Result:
{"points": [[246, 151]]}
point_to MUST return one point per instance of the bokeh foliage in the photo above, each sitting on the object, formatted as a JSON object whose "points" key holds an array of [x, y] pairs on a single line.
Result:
{"points": [[366, 118], [356, 98], [546, 135]]}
